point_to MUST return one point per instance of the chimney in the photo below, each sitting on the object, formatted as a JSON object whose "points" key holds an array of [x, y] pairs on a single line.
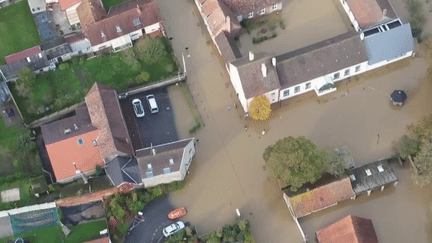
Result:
{"points": [[274, 61], [251, 56], [154, 151], [138, 9], [385, 12], [264, 70]]}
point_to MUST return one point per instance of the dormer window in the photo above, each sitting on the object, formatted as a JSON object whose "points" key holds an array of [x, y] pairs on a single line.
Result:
{"points": [[250, 15], [136, 21], [118, 29], [368, 172], [262, 11]]}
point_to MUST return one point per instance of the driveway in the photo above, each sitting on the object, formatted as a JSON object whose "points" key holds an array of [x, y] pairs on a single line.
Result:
{"points": [[152, 129], [150, 231]]}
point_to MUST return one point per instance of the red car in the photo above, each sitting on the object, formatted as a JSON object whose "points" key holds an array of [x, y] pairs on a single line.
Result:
{"points": [[177, 213]]}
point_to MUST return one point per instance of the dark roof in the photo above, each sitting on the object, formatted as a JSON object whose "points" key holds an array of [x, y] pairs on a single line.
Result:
{"points": [[123, 169], [242, 7], [56, 48], [4, 92], [94, 20], [320, 59], [251, 76], [351, 229], [159, 157], [321, 197], [105, 114], [39, 184], [55, 131], [23, 54], [389, 44], [11, 70], [363, 182], [227, 47]]}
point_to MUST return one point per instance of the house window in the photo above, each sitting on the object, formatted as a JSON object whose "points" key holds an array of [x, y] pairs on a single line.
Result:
{"points": [[297, 89], [286, 93], [336, 75], [262, 11], [275, 7], [250, 15], [80, 141], [136, 21], [357, 68], [308, 85], [118, 29], [347, 72]]}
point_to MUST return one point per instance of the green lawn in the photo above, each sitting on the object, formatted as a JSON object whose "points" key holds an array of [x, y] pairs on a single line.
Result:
{"points": [[62, 88], [109, 3], [86, 231], [43, 235], [8, 135], [26, 198], [17, 29]]}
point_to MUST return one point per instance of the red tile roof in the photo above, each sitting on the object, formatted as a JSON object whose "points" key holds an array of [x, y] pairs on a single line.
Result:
{"points": [[366, 12], [65, 4], [95, 21], [350, 229], [322, 197], [64, 153], [242, 7], [23, 54], [106, 116], [100, 240], [219, 17]]}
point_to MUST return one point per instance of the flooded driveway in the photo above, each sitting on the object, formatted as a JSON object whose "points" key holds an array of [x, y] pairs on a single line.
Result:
{"points": [[228, 171]]}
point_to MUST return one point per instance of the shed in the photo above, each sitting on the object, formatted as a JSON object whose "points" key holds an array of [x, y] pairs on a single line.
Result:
{"points": [[39, 185]]}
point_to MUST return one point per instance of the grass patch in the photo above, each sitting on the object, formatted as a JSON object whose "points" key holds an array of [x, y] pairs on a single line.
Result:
{"points": [[17, 29], [109, 3], [26, 198], [8, 135], [86, 231], [62, 88], [43, 235], [192, 108]]}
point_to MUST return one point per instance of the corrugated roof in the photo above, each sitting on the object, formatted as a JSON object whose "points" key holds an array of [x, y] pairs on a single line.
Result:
{"points": [[251, 76], [389, 44], [376, 179], [320, 59], [321, 197], [351, 229]]}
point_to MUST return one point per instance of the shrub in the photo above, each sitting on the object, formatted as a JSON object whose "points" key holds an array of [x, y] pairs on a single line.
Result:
{"points": [[257, 40], [150, 50], [174, 186], [99, 171], [195, 128], [282, 25], [64, 66], [122, 228]]}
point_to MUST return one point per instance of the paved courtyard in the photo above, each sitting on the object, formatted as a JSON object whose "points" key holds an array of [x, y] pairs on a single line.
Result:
{"points": [[228, 171]]}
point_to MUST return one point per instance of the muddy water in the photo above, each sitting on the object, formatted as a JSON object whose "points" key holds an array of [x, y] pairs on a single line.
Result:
{"points": [[228, 171], [307, 22], [183, 118]]}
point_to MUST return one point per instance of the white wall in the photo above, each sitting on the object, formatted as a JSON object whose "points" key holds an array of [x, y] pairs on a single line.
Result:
{"points": [[188, 153], [136, 34], [235, 80], [302, 89], [350, 15], [380, 64], [162, 179], [152, 28]]}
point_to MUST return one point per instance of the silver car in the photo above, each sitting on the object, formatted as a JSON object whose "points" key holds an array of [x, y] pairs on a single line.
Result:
{"points": [[173, 228], [138, 108], [151, 100]]}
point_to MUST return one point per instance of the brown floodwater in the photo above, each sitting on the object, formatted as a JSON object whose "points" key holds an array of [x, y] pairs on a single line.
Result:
{"points": [[228, 171]]}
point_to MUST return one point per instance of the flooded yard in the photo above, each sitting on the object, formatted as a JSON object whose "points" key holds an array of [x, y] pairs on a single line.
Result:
{"points": [[228, 171], [306, 22]]}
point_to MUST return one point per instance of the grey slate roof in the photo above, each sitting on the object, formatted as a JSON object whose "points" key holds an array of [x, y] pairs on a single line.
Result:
{"points": [[364, 183], [227, 47], [123, 169], [320, 59], [161, 159], [11, 70], [242, 7], [56, 48], [389, 44], [251, 76]]}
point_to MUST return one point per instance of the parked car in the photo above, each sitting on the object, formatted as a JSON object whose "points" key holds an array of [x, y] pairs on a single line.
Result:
{"points": [[173, 228], [151, 100], [177, 213], [138, 108]]}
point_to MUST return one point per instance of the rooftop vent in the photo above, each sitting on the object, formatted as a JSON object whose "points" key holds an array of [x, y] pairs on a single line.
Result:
{"points": [[368, 172], [251, 56], [171, 161], [76, 127], [66, 131], [118, 29], [380, 168], [154, 151], [264, 70]]}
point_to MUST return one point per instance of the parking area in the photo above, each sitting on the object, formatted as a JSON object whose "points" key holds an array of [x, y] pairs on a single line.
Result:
{"points": [[152, 129]]}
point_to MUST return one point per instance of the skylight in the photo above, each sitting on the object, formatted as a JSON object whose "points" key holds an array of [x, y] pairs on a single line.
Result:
{"points": [[368, 172], [118, 29], [380, 168], [136, 21], [80, 141]]}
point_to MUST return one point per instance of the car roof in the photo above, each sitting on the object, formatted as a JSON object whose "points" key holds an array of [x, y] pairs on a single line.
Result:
{"points": [[136, 100]]}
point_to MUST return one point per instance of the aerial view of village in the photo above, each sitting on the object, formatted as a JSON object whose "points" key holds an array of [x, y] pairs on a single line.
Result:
{"points": [[216, 121]]}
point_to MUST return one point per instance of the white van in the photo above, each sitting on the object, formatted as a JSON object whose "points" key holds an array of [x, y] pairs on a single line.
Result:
{"points": [[152, 103]]}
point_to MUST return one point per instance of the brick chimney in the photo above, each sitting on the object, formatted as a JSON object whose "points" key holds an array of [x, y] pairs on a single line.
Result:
{"points": [[139, 9]]}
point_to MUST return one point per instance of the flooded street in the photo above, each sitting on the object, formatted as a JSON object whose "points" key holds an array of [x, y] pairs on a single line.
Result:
{"points": [[228, 171]]}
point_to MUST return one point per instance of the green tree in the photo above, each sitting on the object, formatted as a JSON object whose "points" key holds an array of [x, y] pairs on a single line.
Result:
{"points": [[150, 50], [23, 90], [422, 130], [26, 75], [294, 160], [423, 162], [144, 77], [260, 108], [336, 160], [407, 147]]}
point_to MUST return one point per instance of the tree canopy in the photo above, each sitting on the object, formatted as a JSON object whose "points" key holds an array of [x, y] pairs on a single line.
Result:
{"points": [[336, 160], [260, 108], [295, 160]]}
